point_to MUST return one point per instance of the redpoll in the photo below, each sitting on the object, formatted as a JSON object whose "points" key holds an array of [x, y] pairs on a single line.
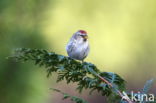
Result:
{"points": [[78, 46]]}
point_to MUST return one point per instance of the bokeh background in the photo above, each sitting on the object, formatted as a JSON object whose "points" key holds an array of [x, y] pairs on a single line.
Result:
{"points": [[122, 36]]}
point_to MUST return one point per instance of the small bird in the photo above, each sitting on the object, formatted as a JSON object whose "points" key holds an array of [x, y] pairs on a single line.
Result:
{"points": [[78, 46]]}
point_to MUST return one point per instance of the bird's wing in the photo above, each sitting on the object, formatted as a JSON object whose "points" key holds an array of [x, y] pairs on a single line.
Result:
{"points": [[86, 51], [71, 46]]}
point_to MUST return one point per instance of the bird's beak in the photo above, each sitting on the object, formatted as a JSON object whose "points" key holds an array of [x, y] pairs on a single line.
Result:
{"points": [[85, 36]]}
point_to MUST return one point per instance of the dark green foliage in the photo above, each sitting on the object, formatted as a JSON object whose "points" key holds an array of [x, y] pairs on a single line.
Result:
{"points": [[72, 98], [85, 74]]}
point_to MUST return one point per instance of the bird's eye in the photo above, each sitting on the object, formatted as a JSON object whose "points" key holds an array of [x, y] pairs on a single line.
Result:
{"points": [[80, 35]]}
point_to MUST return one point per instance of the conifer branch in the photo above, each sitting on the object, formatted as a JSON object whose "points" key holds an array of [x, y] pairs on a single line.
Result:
{"points": [[72, 98], [85, 74]]}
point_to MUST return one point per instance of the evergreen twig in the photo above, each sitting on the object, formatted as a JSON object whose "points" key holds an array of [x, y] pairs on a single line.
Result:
{"points": [[72, 98], [87, 75]]}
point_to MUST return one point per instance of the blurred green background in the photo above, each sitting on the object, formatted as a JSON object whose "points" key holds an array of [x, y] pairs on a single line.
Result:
{"points": [[122, 36]]}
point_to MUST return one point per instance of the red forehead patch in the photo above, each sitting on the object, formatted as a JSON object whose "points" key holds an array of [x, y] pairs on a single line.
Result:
{"points": [[82, 31]]}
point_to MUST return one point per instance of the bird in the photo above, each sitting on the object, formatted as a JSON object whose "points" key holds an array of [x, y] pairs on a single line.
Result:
{"points": [[78, 46]]}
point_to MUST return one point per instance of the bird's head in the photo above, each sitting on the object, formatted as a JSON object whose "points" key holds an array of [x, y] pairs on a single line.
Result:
{"points": [[81, 34]]}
